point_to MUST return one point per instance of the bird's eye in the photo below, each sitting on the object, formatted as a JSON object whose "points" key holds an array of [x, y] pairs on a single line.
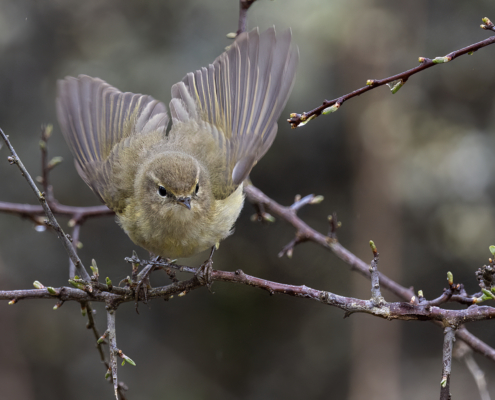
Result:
{"points": [[197, 188], [161, 191]]}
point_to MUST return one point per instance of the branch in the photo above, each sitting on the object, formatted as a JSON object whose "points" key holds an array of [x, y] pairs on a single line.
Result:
{"points": [[376, 295], [448, 343], [243, 10], [78, 213], [396, 81], [112, 337], [114, 296], [464, 353], [255, 195], [14, 159]]}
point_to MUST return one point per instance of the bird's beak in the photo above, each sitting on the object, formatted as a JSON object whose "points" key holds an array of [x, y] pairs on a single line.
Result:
{"points": [[184, 201]]}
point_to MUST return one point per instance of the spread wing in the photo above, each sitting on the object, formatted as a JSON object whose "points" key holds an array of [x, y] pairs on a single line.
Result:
{"points": [[96, 119], [238, 99]]}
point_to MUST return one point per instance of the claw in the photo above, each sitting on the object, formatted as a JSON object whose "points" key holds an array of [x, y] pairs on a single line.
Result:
{"points": [[143, 281], [205, 270]]}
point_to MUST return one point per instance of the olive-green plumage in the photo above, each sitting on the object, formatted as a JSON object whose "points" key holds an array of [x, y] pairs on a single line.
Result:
{"points": [[178, 194]]}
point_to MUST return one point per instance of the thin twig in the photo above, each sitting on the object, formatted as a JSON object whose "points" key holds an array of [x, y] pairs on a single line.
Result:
{"points": [[487, 25], [52, 221], [75, 242], [301, 119], [448, 344], [81, 213], [45, 134], [464, 353], [258, 197], [112, 338], [243, 10]]}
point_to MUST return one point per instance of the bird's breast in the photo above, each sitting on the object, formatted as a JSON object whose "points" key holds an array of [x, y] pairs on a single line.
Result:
{"points": [[179, 232]]}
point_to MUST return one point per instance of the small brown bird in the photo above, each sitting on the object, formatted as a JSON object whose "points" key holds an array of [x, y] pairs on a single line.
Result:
{"points": [[180, 193]]}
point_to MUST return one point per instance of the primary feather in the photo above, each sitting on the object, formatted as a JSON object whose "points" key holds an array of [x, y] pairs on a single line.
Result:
{"points": [[224, 120]]}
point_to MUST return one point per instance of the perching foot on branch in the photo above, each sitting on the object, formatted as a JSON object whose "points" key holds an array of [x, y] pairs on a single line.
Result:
{"points": [[205, 270]]}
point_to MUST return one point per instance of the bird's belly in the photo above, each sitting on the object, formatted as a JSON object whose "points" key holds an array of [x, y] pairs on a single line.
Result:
{"points": [[184, 233]]}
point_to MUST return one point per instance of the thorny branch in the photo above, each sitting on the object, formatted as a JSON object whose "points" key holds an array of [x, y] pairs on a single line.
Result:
{"points": [[14, 159], [254, 195], [395, 81]]}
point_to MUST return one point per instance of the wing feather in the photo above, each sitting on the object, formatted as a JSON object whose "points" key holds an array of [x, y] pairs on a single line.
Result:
{"points": [[96, 119], [238, 99]]}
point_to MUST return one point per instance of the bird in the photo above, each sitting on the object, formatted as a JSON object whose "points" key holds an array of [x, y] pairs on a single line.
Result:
{"points": [[178, 192]]}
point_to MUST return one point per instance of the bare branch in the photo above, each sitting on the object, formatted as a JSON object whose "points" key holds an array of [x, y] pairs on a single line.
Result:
{"points": [[255, 195], [396, 80], [113, 350], [243, 10], [114, 296], [448, 343], [78, 213], [52, 221], [376, 295], [464, 353]]}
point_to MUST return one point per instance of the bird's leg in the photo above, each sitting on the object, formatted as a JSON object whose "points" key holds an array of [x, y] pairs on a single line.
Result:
{"points": [[204, 271], [143, 278]]}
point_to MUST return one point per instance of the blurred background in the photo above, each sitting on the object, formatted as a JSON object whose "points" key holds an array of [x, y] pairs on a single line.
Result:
{"points": [[412, 171]]}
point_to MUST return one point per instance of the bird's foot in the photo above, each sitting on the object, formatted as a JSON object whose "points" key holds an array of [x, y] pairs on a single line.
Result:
{"points": [[204, 271], [143, 281]]}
